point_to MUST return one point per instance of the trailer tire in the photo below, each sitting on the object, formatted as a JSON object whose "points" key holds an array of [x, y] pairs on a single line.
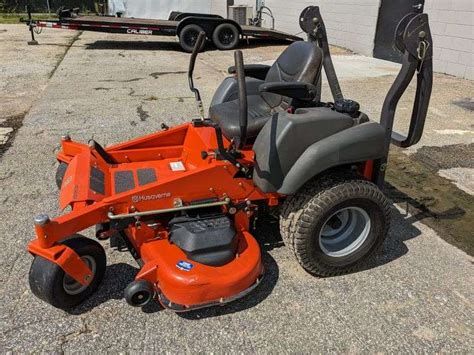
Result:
{"points": [[328, 248], [51, 284], [188, 37], [226, 36]]}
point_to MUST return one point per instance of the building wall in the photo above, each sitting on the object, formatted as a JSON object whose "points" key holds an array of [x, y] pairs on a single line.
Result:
{"points": [[219, 7], [352, 24], [452, 27]]}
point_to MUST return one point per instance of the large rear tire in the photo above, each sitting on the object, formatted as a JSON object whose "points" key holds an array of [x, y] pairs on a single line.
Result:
{"points": [[51, 284], [188, 37], [226, 36], [335, 224]]}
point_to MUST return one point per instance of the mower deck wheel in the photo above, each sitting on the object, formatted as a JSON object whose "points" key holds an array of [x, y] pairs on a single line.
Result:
{"points": [[139, 293], [51, 284], [335, 223]]}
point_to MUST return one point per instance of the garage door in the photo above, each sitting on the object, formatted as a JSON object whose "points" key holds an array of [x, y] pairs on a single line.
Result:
{"points": [[390, 13]]}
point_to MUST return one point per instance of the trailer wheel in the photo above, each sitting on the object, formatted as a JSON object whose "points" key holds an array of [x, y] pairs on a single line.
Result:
{"points": [[188, 37], [334, 224], [225, 36], [51, 284]]}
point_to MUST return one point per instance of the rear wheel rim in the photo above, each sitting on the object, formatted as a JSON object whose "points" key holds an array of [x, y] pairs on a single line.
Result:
{"points": [[344, 232], [71, 286], [190, 37], [226, 36]]}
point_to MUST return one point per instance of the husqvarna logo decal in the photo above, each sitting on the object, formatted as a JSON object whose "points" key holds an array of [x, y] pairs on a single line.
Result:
{"points": [[139, 198]]}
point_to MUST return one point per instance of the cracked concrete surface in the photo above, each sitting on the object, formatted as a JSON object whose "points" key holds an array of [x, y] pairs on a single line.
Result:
{"points": [[5, 134], [415, 297], [462, 177], [24, 74]]}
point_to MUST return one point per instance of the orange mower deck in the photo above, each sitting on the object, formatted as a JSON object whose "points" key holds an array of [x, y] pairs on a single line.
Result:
{"points": [[162, 171]]}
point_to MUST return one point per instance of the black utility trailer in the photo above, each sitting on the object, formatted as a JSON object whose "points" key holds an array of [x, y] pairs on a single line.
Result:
{"points": [[224, 33]]}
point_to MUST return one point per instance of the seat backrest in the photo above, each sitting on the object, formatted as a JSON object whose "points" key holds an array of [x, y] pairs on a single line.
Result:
{"points": [[301, 62]]}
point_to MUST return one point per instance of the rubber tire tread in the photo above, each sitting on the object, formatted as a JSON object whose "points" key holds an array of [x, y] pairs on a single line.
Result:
{"points": [[216, 41], [185, 46], [313, 201], [46, 277]]}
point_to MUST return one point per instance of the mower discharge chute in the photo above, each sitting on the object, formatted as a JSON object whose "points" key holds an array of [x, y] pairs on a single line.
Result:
{"points": [[184, 200]]}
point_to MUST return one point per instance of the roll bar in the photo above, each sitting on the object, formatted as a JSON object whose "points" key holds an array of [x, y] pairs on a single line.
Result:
{"points": [[413, 38], [192, 62], [311, 22]]}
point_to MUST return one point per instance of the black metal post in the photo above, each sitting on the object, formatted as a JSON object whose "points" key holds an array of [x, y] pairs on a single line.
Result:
{"points": [[33, 41]]}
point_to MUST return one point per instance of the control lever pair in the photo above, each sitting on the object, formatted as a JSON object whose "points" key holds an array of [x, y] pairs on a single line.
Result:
{"points": [[239, 65]]}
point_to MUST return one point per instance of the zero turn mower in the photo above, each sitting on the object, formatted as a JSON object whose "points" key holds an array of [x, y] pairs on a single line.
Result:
{"points": [[184, 200]]}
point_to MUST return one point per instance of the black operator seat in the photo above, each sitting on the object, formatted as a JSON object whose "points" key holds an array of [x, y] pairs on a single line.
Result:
{"points": [[300, 63]]}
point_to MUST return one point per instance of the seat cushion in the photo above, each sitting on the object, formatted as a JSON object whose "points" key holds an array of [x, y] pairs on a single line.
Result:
{"points": [[300, 62], [227, 115]]}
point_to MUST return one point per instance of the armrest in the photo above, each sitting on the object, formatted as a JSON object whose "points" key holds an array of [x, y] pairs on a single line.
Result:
{"points": [[294, 89], [257, 71]]}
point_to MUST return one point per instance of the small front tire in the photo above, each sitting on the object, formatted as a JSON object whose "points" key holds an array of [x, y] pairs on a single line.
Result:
{"points": [[139, 293], [335, 223], [51, 284]]}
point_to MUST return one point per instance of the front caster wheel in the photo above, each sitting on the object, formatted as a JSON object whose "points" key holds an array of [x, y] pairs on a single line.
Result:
{"points": [[51, 284], [334, 224], [139, 293]]}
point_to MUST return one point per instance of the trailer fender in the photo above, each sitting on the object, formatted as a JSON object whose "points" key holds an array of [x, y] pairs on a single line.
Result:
{"points": [[208, 24], [178, 16]]}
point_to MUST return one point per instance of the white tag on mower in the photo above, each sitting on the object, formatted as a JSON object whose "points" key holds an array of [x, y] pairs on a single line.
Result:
{"points": [[177, 166]]}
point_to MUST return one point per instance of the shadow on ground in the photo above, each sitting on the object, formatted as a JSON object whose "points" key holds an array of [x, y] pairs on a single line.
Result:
{"points": [[174, 45], [118, 276]]}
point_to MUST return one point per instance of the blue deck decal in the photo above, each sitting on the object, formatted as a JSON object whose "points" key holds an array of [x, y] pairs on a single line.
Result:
{"points": [[184, 265]]}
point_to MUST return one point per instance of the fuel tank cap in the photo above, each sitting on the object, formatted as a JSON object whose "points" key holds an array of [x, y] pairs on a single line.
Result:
{"points": [[349, 107]]}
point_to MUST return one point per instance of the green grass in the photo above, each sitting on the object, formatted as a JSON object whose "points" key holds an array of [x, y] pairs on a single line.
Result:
{"points": [[15, 17]]}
